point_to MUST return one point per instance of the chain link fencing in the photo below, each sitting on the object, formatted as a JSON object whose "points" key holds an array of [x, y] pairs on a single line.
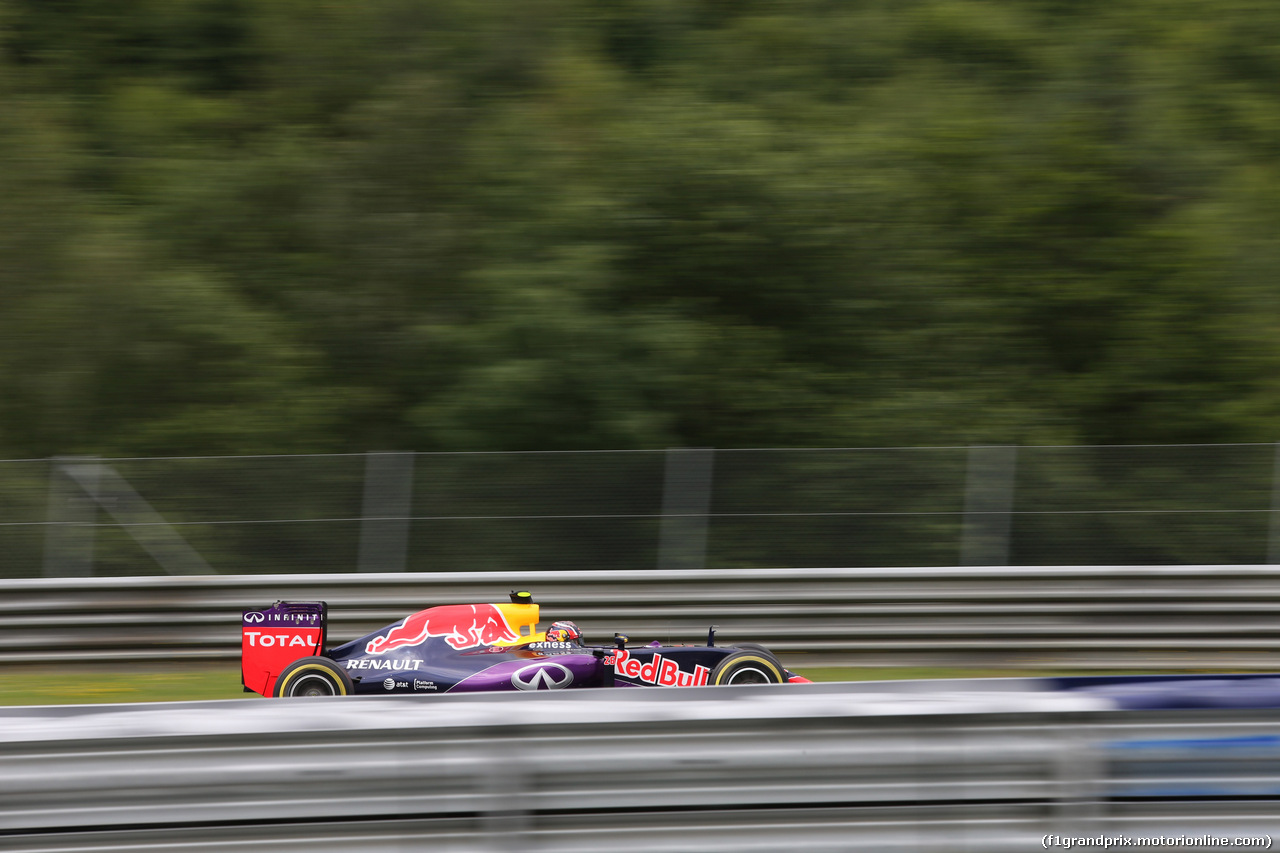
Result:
{"points": [[636, 510]]}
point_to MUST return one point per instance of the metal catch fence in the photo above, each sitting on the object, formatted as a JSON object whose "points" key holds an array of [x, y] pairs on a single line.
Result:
{"points": [[640, 510]]}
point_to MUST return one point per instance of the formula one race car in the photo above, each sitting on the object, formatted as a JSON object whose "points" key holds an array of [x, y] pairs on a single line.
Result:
{"points": [[459, 648]]}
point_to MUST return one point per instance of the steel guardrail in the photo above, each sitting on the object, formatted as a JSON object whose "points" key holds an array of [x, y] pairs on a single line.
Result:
{"points": [[811, 767], [1085, 616]]}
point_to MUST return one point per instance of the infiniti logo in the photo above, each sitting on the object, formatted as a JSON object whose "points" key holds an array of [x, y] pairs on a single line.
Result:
{"points": [[542, 676], [254, 617]]}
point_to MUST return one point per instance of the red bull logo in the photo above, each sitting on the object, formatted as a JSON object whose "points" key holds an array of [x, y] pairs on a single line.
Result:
{"points": [[463, 626], [661, 672]]}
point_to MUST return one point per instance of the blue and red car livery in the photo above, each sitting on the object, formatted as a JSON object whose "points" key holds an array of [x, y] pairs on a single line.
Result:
{"points": [[461, 648]]}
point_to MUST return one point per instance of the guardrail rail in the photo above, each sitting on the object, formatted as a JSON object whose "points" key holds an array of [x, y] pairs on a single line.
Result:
{"points": [[791, 767], [1114, 617]]}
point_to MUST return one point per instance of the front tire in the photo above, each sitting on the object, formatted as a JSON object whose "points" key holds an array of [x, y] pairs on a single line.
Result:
{"points": [[747, 667], [313, 676]]}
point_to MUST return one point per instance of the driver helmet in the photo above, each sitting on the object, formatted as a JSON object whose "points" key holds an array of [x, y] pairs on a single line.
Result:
{"points": [[564, 632]]}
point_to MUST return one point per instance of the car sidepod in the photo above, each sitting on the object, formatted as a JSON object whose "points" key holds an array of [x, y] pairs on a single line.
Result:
{"points": [[534, 672]]}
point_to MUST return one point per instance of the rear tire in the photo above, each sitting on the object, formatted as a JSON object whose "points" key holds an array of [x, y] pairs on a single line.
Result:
{"points": [[313, 676], [747, 667]]}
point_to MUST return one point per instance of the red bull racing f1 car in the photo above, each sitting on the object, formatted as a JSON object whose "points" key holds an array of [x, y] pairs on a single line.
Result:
{"points": [[460, 648]]}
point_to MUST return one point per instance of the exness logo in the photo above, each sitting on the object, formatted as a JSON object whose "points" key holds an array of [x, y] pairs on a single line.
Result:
{"points": [[542, 676]]}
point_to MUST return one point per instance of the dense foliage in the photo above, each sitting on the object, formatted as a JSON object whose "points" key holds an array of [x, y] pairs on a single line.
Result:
{"points": [[242, 226]]}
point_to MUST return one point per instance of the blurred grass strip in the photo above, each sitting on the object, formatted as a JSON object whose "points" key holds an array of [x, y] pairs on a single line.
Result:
{"points": [[26, 685]]}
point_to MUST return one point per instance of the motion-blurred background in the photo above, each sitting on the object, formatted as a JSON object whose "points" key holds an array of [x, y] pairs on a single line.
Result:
{"points": [[852, 315], [267, 227]]}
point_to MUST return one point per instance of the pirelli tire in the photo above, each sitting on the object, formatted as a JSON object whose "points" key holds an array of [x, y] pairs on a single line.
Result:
{"points": [[747, 666], [313, 676]]}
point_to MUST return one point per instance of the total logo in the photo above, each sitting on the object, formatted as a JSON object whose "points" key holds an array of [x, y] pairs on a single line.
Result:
{"points": [[392, 684], [262, 638], [541, 676], [660, 671]]}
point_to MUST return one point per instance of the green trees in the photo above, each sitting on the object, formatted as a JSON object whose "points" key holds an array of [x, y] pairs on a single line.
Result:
{"points": [[267, 226]]}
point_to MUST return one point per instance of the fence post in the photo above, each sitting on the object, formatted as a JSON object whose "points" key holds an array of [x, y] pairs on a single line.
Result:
{"points": [[388, 501], [72, 511], [87, 480], [686, 500], [139, 519], [1273, 538], [988, 502]]}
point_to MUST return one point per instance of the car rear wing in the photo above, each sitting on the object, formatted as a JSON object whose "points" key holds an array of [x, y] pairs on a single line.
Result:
{"points": [[274, 637]]}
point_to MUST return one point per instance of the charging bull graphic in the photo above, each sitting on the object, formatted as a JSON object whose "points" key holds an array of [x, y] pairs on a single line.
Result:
{"points": [[463, 626]]}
